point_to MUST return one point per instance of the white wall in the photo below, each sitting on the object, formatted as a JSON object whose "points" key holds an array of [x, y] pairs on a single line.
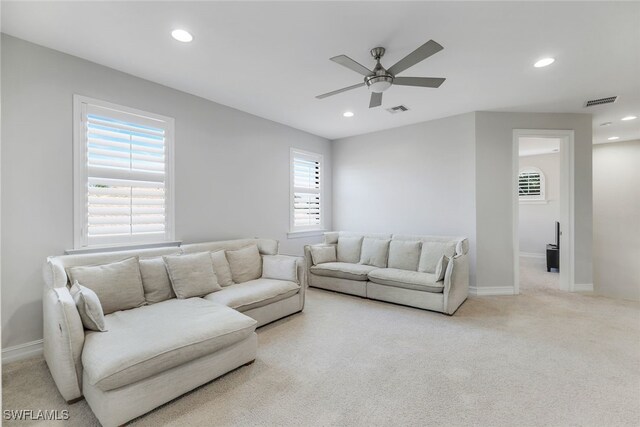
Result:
{"points": [[231, 170], [538, 220], [494, 223], [416, 179], [616, 219]]}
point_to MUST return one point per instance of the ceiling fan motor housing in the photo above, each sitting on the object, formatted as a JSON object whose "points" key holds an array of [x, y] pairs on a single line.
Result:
{"points": [[381, 79]]}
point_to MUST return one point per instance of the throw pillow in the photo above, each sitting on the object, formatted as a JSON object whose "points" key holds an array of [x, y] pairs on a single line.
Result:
{"points": [[441, 268], [374, 252], [280, 268], [404, 254], [89, 307], [191, 275], [221, 267], [322, 254], [431, 253], [349, 249], [245, 263], [118, 285], [155, 280]]}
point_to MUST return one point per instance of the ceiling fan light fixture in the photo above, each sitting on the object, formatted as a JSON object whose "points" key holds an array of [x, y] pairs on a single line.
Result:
{"points": [[379, 84]]}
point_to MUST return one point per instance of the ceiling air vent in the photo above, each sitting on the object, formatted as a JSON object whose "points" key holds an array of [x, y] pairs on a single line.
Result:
{"points": [[397, 109], [600, 101]]}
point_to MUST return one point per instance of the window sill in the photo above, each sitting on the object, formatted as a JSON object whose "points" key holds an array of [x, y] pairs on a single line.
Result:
{"points": [[306, 233], [534, 202], [123, 247]]}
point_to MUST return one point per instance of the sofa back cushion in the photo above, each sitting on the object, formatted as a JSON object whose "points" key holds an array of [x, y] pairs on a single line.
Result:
{"points": [[191, 275], [374, 252], [404, 254], [245, 263], [222, 268], [118, 285], [155, 280], [265, 246], [432, 252], [321, 254], [280, 267], [89, 307], [349, 249]]}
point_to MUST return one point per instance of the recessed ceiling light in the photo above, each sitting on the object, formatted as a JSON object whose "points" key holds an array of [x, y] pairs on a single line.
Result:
{"points": [[605, 124], [544, 62], [348, 114], [613, 138], [182, 36], [629, 118]]}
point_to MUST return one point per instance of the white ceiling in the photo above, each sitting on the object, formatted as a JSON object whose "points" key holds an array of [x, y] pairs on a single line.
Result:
{"points": [[529, 146], [271, 59]]}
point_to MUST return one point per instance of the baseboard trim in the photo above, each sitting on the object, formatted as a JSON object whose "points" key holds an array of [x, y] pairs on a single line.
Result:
{"points": [[491, 290], [532, 255], [22, 351], [583, 287]]}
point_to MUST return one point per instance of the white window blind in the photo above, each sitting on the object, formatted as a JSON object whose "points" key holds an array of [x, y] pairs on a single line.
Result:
{"points": [[124, 171], [531, 184], [306, 191]]}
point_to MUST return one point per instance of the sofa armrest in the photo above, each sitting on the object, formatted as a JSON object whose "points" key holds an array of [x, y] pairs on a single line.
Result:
{"points": [[456, 283], [63, 341]]}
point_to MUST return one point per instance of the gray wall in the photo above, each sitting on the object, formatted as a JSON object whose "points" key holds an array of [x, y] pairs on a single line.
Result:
{"points": [[231, 168], [616, 220], [494, 151], [537, 220], [416, 179]]}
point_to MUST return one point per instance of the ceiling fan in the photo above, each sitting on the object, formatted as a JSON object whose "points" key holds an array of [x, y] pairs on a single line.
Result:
{"points": [[380, 79]]}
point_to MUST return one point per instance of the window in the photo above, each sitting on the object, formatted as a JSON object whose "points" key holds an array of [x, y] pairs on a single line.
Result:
{"points": [[306, 191], [531, 184], [122, 175]]}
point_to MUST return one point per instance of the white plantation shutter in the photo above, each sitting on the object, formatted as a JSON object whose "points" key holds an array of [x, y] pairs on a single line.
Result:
{"points": [[124, 168], [531, 184], [306, 191]]}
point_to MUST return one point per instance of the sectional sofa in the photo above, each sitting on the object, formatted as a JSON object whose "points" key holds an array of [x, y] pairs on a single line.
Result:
{"points": [[152, 339], [428, 272]]}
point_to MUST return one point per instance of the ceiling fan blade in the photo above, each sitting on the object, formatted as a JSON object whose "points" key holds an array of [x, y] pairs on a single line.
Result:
{"points": [[420, 54], [419, 81], [376, 99], [335, 92], [345, 61]]}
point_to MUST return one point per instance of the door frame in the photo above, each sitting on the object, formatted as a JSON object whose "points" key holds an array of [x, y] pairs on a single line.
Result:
{"points": [[567, 204]]}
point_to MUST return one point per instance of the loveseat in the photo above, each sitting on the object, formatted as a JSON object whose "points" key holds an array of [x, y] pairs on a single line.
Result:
{"points": [[155, 341], [428, 272]]}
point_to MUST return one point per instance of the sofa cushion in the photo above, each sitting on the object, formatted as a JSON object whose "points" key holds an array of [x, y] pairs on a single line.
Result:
{"points": [[343, 270], [441, 268], [118, 285], [245, 263], [431, 253], [404, 254], [191, 275], [151, 339], [254, 293], [280, 267], [155, 280], [349, 249], [374, 252], [89, 307], [222, 268], [323, 253], [406, 279]]}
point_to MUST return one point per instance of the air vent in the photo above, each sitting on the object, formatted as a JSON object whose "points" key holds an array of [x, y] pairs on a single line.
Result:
{"points": [[600, 101], [397, 109]]}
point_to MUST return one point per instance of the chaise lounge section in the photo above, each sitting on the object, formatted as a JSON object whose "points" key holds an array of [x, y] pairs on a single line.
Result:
{"points": [[428, 272]]}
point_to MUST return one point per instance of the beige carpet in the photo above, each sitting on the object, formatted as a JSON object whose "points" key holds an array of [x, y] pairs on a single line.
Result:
{"points": [[543, 358], [534, 275]]}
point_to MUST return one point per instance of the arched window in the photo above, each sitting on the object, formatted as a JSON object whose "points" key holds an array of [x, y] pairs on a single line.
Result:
{"points": [[531, 184]]}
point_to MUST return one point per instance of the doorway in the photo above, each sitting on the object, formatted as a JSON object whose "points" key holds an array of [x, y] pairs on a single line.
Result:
{"points": [[543, 209]]}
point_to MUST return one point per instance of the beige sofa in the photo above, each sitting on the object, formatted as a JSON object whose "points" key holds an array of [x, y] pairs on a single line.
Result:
{"points": [[403, 274], [156, 352]]}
